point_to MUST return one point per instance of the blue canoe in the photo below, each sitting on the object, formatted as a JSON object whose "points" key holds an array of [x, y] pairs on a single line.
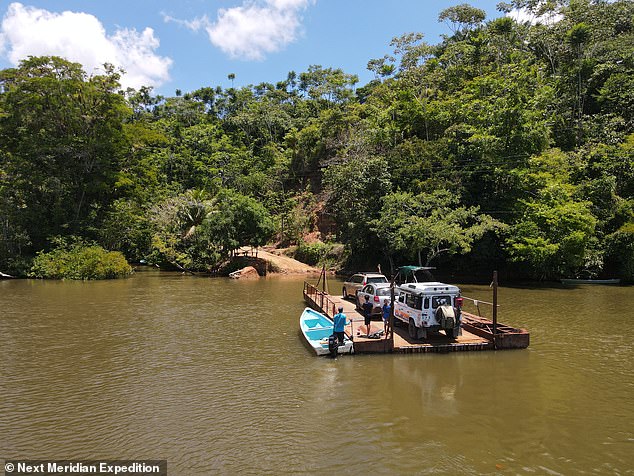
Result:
{"points": [[316, 328]]}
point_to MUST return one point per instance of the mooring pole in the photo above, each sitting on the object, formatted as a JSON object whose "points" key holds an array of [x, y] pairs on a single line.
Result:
{"points": [[319, 280], [325, 284], [322, 275], [495, 307]]}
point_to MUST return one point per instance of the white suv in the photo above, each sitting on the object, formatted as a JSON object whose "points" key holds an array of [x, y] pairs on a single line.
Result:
{"points": [[355, 282], [428, 308]]}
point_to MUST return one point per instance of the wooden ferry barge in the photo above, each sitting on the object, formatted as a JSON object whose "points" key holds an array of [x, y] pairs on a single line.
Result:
{"points": [[478, 333]]}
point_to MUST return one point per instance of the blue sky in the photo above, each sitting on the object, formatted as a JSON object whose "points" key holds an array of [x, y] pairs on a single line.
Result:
{"points": [[189, 44]]}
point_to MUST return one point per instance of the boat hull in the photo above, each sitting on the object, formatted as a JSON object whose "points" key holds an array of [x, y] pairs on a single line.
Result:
{"points": [[590, 281], [316, 329]]}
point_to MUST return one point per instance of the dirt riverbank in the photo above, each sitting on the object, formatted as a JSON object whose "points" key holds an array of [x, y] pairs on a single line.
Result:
{"points": [[279, 263]]}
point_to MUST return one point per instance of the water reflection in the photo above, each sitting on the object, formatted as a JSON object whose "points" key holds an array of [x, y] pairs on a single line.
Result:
{"points": [[212, 375]]}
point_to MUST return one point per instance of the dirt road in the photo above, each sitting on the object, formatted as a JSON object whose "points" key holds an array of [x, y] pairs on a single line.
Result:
{"points": [[283, 264]]}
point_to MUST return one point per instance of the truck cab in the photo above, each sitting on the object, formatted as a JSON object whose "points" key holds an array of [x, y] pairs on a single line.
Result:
{"points": [[428, 307]]}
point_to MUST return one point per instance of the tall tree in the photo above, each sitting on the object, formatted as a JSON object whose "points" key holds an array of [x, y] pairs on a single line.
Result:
{"points": [[62, 139], [425, 226]]}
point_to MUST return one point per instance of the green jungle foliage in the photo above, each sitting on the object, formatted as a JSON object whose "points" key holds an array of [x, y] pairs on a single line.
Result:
{"points": [[80, 260], [507, 146], [318, 253]]}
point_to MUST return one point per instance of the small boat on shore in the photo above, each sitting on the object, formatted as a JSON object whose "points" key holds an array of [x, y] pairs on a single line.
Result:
{"points": [[316, 329], [572, 282]]}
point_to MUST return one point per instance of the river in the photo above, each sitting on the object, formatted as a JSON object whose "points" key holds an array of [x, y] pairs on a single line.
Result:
{"points": [[211, 374]]}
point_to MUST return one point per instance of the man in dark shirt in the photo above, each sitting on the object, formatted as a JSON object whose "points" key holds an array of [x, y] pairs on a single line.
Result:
{"points": [[367, 312]]}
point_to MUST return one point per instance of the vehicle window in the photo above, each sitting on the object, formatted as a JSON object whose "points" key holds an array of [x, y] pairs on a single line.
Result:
{"points": [[368, 289], [377, 279], [426, 303], [401, 298], [357, 279], [383, 292], [440, 301], [413, 301]]}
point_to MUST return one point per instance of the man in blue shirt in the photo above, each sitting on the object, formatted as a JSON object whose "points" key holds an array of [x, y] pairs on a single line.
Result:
{"points": [[387, 309], [341, 321]]}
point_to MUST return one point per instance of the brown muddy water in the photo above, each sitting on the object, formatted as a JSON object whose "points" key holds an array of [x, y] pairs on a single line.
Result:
{"points": [[212, 375]]}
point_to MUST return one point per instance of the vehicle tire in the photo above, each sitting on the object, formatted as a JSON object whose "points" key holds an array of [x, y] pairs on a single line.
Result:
{"points": [[344, 293], [412, 330], [450, 333]]}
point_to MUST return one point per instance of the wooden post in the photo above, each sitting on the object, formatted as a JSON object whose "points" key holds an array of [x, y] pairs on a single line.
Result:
{"points": [[319, 280], [495, 307], [323, 275]]}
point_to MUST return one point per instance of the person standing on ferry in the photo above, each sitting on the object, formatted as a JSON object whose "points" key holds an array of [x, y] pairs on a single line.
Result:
{"points": [[340, 321], [367, 312]]}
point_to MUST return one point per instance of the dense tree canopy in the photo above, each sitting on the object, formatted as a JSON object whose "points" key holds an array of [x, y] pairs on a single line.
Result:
{"points": [[510, 144]]}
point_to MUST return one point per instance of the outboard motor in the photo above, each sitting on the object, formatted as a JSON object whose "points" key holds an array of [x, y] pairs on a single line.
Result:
{"points": [[333, 345]]}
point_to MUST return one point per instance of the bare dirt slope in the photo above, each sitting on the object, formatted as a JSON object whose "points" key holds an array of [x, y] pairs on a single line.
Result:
{"points": [[283, 263]]}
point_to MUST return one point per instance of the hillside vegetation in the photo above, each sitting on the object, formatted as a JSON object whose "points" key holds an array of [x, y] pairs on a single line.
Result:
{"points": [[507, 145]]}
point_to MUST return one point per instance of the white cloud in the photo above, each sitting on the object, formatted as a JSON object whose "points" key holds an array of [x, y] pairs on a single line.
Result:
{"points": [[195, 24], [255, 28], [288, 4], [80, 37]]}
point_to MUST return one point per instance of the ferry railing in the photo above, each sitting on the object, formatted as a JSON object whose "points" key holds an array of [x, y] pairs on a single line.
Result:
{"points": [[476, 304], [320, 299]]}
